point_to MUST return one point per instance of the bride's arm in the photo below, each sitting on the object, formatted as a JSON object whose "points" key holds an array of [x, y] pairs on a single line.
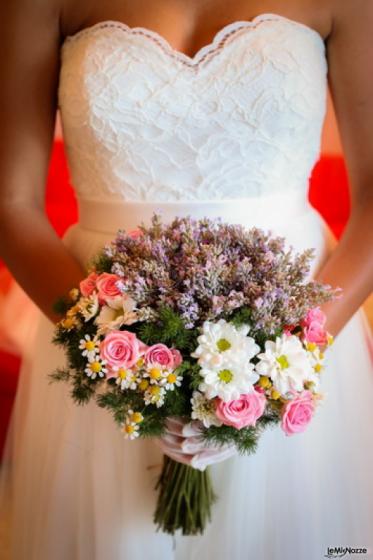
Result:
{"points": [[350, 58], [29, 66]]}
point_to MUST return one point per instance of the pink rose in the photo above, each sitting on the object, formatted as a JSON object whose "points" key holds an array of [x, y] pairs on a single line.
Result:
{"points": [[88, 285], [121, 349], [297, 413], [314, 327], [315, 315], [177, 357], [135, 233], [106, 286], [242, 412], [315, 333], [160, 354]]}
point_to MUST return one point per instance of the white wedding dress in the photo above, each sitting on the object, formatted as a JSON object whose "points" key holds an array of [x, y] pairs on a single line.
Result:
{"points": [[233, 131]]}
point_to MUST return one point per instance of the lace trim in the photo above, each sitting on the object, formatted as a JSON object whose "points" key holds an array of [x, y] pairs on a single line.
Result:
{"points": [[221, 38]]}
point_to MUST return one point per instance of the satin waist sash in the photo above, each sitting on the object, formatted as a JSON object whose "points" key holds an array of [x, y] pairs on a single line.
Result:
{"points": [[265, 211]]}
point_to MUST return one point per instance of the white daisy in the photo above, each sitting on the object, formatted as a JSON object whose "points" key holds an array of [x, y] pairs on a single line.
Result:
{"points": [[286, 362], [221, 342], [96, 367], [229, 381], [204, 409], [89, 346]]}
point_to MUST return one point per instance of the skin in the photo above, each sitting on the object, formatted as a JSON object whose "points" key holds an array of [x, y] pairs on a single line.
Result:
{"points": [[31, 32]]}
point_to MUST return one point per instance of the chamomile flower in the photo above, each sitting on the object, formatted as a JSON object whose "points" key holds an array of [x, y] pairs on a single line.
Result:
{"points": [[73, 311], [317, 360], [154, 394], [69, 323], [74, 294], [96, 367], [89, 346], [156, 374], [315, 355], [287, 363], [130, 430], [171, 380], [130, 427], [126, 378], [204, 409], [134, 417]]}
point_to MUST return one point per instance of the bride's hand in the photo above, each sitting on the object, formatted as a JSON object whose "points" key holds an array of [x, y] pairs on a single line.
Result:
{"points": [[183, 442]]}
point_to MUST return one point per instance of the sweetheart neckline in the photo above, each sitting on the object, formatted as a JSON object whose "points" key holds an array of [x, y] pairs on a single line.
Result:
{"points": [[217, 41]]}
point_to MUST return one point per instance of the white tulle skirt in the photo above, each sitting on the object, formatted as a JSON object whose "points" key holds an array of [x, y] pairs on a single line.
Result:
{"points": [[79, 491]]}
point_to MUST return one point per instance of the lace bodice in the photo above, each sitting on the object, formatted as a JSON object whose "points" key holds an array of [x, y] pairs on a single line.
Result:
{"points": [[144, 122]]}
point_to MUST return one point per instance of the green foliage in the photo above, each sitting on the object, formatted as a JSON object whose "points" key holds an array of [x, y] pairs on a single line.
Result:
{"points": [[246, 439], [192, 371], [60, 374], [119, 402], [100, 263], [70, 340], [177, 402], [62, 305], [169, 329], [82, 390], [241, 316], [262, 336], [271, 417], [153, 423]]}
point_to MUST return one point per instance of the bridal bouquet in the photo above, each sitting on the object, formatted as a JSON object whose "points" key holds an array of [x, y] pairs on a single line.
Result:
{"points": [[203, 320]]}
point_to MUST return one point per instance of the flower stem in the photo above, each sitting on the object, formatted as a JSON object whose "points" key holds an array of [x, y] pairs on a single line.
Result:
{"points": [[185, 498]]}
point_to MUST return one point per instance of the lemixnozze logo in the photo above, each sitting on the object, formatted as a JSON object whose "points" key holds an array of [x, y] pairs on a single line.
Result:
{"points": [[340, 551]]}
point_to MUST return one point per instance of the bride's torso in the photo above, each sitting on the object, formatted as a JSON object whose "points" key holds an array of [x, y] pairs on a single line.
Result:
{"points": [[233, 129]]}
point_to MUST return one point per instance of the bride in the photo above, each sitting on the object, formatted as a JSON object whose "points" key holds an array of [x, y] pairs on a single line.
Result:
{"points": [[201, 108]]}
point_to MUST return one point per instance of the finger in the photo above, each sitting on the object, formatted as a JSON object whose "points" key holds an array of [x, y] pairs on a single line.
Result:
{"points": [[174, 425], [210, 458], [198, 463], [173, 442], [193, 428], [193, 444], [184, 458]]}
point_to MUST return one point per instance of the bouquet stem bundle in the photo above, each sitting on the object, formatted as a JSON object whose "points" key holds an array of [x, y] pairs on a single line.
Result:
{"points": [[185, 498]]}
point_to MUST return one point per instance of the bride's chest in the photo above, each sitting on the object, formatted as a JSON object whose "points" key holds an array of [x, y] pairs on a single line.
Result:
{"points": [[249, 72]]}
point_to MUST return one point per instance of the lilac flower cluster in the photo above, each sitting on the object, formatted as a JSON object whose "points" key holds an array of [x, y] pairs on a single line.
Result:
{"points": [[205, 269]]}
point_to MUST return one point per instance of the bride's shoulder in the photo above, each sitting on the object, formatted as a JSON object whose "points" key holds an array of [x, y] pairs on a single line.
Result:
{"points": [[29, 45], [30, 22], [352, 17]]}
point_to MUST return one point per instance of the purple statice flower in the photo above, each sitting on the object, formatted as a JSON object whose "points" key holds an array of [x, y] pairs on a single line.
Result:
{"points": [[206, 269]]}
